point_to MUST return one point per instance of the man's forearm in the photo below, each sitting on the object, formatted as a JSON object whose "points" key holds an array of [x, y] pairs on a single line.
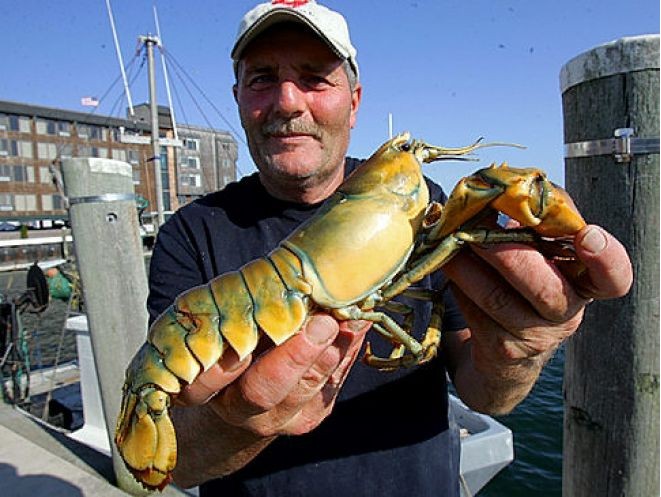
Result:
{"points": [[210, 448], [495, 388]]}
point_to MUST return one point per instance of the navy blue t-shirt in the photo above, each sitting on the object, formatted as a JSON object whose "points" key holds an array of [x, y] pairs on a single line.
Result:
{"points": [[389, 435]]}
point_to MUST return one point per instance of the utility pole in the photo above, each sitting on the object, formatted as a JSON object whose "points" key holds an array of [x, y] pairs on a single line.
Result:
{"points": [[149, 41]]}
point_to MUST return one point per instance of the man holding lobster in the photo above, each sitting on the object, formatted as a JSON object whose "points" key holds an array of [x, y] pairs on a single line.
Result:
{"points": [[300, 419]]}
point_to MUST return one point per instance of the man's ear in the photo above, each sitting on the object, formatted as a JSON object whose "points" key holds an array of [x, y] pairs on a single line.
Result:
{"points": [[355, 103]]}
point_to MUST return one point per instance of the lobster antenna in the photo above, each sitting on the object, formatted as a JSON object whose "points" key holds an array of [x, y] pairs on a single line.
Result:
{"points": [[430, 153]]}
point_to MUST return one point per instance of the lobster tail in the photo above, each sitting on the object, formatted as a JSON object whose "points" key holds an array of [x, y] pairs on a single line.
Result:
{"points": [[267, 295]]}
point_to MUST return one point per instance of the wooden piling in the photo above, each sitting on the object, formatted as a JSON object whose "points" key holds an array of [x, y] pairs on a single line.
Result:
{"points": [[109, 257], [611, 383]]}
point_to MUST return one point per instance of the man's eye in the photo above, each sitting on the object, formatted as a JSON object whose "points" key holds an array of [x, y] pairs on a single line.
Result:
{"points": [[260, 81], [316, 81]]}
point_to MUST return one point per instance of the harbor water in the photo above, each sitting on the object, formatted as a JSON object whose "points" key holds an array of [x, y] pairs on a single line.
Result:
{"points": [[536, 422]]}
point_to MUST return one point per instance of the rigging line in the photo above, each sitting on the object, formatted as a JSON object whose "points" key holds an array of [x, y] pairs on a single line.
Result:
{"points": [[61, 145], [121, 95], [238, 135], [132, 80], [195, 102], [181, 106]]}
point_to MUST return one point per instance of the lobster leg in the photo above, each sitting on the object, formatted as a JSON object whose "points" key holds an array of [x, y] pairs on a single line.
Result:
{"points": [[384, 322], [448, 248], [430, 343]]}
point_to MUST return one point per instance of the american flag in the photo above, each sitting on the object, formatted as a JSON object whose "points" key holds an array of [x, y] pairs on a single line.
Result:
{"points": [[89, 101]]}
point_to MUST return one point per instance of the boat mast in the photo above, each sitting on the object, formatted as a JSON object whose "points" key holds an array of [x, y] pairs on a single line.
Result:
{"points": [[127, 91], [149, 41], [165, 76]]}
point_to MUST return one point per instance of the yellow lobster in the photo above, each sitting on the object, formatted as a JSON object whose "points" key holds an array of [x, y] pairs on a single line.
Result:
{"points": [[329, 263]]}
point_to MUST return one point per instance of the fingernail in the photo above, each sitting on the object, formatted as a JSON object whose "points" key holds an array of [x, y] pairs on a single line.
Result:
{"points": [[320, 329], [594, 241], [237, 365]]}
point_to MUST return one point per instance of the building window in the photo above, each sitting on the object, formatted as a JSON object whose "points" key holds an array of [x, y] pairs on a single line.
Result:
{"points": [[91, 132], [45, 176], [100, 152], [136, 176], [193, 162], [58, 202], [83, 130], [193, 180], [15, 148], [87, 151], [63, 128], [66, 150], [25, 202], [6, 202], [5, 146], [192, 144], [10, 122], [133, 156], [53, 128], [118, 154], [25, 149], [46, 202], [52, 202], [46, 150], [17, 173]]}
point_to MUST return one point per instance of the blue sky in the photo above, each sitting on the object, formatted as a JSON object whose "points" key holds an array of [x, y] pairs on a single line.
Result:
{"points": [[448, 71]]}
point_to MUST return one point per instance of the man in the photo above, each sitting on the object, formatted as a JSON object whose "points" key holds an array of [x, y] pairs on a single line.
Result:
{"points": [[254, 428]]}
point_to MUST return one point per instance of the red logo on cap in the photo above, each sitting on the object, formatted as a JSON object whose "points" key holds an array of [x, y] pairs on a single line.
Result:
{"points": [[289, 3]]}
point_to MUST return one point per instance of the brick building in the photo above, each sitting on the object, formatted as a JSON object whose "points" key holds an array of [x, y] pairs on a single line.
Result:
{"points": [[33, 140]]}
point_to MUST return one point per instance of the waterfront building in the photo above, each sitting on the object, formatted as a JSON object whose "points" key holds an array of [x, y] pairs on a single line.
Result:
{"points": [[34, 139]]}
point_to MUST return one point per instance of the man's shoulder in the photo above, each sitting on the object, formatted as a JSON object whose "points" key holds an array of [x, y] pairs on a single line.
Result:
{"points": [[229, 197]]}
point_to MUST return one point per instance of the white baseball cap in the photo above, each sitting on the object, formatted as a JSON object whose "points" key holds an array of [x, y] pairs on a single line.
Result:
{"points": [[328, 24]]}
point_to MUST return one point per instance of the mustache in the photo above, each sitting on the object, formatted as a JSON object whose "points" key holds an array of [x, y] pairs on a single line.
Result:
{"points": [[290, 126]]}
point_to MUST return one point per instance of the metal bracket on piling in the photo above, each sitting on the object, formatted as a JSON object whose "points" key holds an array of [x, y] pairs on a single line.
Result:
{"points": [[99, 199], [622, 147]]}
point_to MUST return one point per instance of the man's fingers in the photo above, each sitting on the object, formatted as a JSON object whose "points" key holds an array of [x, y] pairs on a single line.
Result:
{"points": [[211, 381], [493, 342], [277, 372], [532, 295], [315, 408], [608, 269]]}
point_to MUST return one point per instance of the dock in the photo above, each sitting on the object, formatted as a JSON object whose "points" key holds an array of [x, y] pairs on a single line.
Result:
{"points": [[37, 460]]}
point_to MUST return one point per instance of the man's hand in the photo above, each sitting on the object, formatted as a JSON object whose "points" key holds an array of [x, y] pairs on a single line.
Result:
{"points": [[292, 388], [519, 307], [243, 406]]}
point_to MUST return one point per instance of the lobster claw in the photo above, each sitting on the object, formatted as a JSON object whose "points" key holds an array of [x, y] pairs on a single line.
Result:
{"points": [[525, 195]]}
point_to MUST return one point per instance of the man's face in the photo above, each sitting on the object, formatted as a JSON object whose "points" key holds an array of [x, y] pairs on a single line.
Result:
{"points": [[296, 107]]}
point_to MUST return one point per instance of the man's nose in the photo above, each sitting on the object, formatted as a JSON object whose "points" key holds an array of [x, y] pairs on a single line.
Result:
{"points": [[290, 99]]}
